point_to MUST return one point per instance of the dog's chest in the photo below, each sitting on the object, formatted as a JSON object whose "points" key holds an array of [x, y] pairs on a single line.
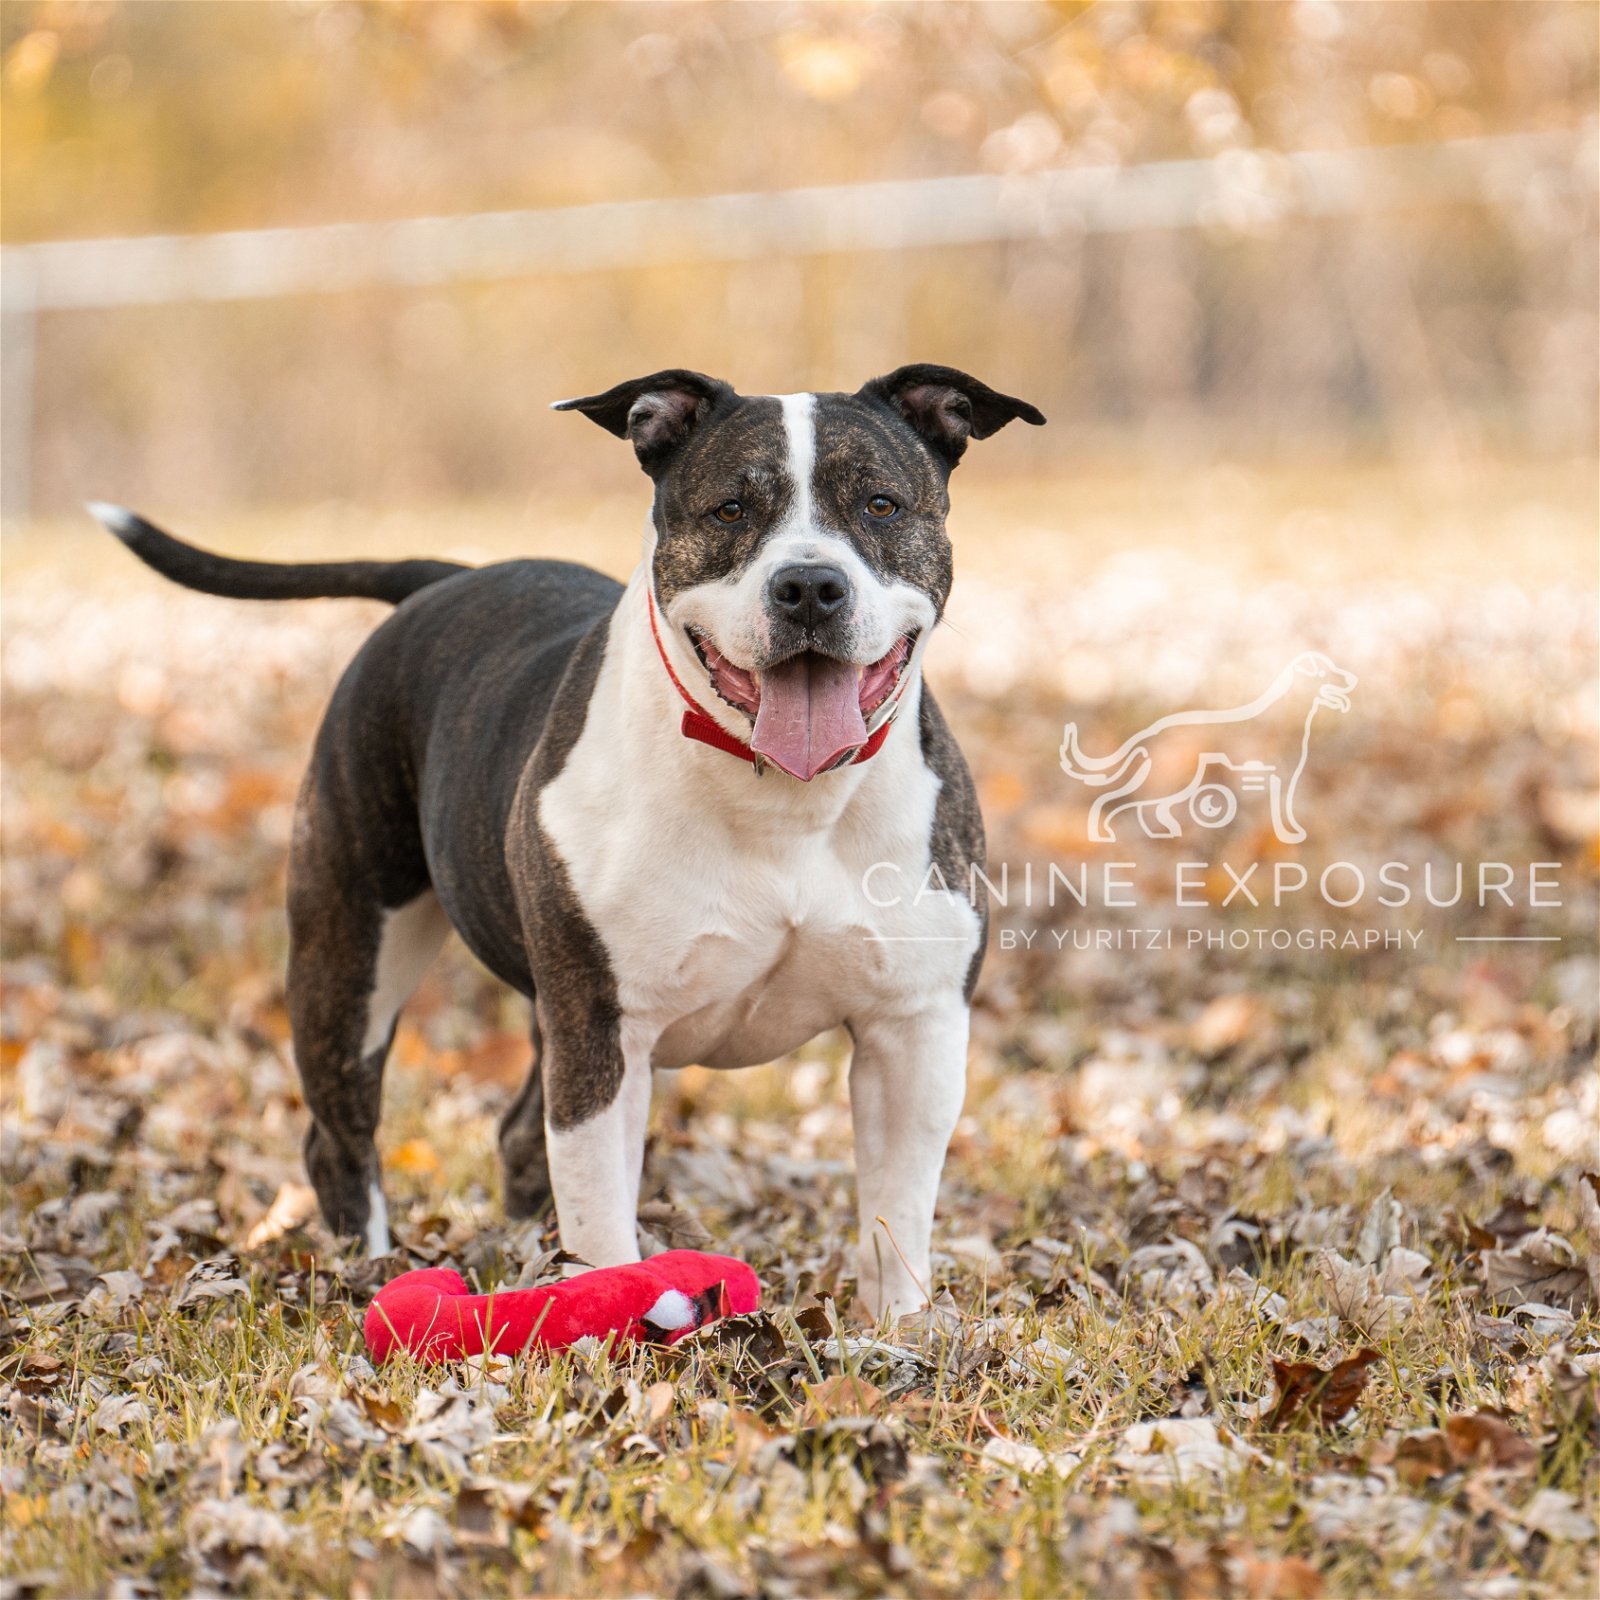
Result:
{"points": [[765, 955], [732, 943]]}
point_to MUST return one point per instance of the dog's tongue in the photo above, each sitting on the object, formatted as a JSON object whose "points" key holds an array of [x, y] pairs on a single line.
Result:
{"points": [[810, 714]]}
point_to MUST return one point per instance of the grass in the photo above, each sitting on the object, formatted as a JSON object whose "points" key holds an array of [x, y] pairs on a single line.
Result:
{"points": [[711, 1469]]}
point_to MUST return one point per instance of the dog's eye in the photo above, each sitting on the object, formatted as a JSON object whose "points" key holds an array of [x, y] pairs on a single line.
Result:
{"points": [[729, 511], [881, 506]]}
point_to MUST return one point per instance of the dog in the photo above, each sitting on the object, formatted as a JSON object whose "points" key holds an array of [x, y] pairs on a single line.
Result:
{"points": [[652, 809]]}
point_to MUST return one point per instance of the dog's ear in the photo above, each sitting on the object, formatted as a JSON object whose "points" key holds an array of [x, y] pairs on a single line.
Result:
{"points": [[657, 413], [947, 407]]}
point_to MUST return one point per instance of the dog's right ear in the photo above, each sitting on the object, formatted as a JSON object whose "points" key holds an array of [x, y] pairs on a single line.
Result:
{"points": [[657, 413]]}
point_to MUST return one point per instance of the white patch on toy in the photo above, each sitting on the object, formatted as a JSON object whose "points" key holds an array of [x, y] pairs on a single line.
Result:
{"points": [[672, 1311]]}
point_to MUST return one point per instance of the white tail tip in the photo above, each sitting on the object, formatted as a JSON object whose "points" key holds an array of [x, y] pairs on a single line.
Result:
{"points": [[118, 519]]}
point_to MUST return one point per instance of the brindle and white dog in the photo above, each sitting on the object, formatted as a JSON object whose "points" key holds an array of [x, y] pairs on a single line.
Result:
{"points": [[656, 810]]}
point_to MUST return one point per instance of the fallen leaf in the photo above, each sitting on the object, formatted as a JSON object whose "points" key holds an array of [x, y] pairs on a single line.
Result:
{"points": [[118, 1411], [546, 1266], [119, 1289], [1511, 1220], [1558, 1515], [230, 1537], [842, 1396], [380, 1409], [345, 1427], [1361, 1507], [893, 1367], [1362, 1295], [676, 1228], [449, 1426], [1030, 1458], [517, 1504], [294, 1205], [1589, 1215], [477, 1515], [41, 1372], [1179, 1449], [1226, 1023], [198, 1217], [424, 1532], [1421, 1457], [416, 1157], [1255, 1577], [1328, 1393], [314, 1381], [1544, 1267], [657, 1405], [213, 1279], [1380, 1230], [1480, 1438], [750, 1433]]}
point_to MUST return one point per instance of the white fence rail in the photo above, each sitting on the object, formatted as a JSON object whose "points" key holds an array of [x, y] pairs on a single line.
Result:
{"points": [[1239, 191]]}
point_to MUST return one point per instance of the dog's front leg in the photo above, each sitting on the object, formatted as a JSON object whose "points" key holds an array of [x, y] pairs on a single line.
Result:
{"points": [[596, 1157], [908, 1077]]}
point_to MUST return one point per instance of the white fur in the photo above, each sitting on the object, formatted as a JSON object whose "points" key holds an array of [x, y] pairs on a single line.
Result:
{"points": [[377, 1221], [906, 1083], [411, 937], [734, 912], [595, 1170], [408, 942], [800, 431]]}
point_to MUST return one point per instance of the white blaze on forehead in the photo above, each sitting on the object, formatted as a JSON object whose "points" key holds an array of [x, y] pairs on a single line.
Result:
{"points": [[800, 429]]}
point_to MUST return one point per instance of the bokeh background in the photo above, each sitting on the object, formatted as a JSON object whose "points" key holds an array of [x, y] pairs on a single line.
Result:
{"points": [[1426, 304]]}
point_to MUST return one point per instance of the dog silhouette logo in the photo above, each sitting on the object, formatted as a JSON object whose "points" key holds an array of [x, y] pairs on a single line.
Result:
{"points": [[1167, 773]]}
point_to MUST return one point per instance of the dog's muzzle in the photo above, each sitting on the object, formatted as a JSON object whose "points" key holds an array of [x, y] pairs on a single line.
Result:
{"points": [[812, 712]]}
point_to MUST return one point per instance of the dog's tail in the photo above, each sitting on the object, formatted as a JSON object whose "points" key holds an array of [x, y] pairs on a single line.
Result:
{"points": [[199, 569]]}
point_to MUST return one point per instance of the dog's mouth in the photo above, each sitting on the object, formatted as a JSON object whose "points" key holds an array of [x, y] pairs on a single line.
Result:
{"points": [[810, 710]]}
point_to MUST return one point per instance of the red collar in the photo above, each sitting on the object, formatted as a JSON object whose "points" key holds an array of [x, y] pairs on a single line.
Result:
{"points": [[698, 725]]}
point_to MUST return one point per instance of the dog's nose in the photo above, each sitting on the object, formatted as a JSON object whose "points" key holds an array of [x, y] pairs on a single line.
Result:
{"points": [[807, 594]]}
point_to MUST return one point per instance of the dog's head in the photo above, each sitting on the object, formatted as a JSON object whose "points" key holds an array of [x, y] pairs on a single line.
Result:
{"points": [[800, 543]]}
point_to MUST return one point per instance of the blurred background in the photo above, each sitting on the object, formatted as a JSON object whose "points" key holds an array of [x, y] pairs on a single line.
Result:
{"points": [[1107, 208]]}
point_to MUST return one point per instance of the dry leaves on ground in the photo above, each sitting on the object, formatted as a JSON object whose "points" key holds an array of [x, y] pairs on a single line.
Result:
{"points": [[1259, 1274]]}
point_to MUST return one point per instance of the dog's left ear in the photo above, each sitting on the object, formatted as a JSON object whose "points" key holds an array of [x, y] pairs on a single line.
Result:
{"points": [[947, 407], [657, 413]]}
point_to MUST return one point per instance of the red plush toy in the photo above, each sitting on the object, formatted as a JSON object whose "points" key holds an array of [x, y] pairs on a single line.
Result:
{"points": [[434, 1316]]}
